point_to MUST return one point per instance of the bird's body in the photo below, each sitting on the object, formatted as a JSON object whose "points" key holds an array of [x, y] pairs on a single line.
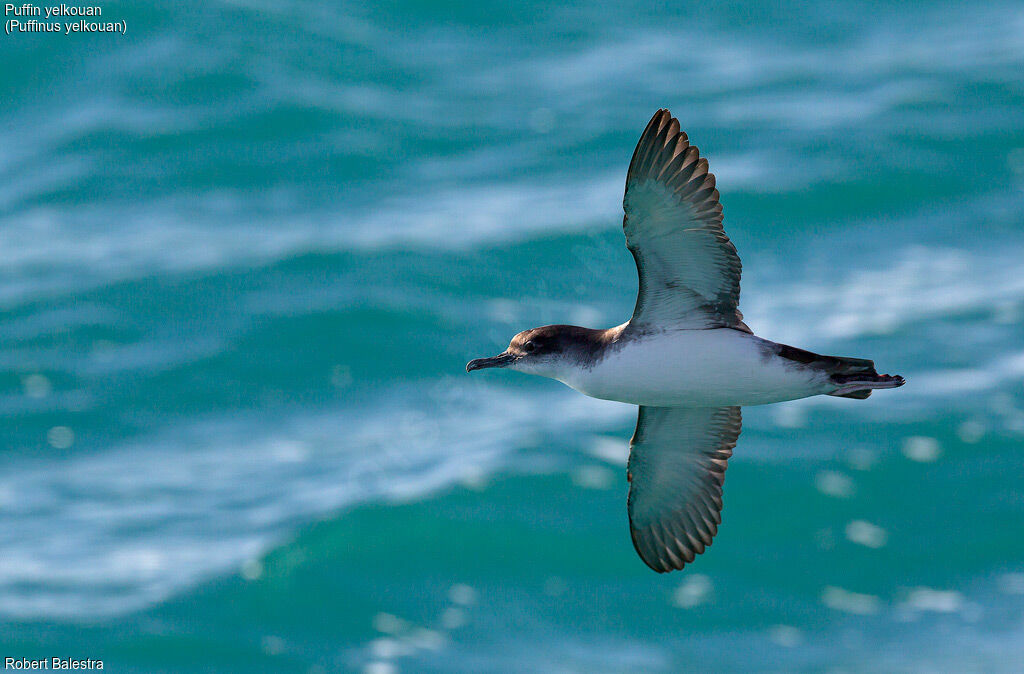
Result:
{"points": [[696, 368], [685, 357]]}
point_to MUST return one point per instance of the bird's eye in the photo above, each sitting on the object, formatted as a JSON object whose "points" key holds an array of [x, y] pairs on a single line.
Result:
{"points": [[529, 347]]}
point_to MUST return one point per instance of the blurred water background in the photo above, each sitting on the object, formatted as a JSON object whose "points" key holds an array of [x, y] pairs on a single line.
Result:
{"points": [[248, 248]]}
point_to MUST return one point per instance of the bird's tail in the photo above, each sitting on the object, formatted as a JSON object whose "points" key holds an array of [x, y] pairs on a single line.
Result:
{"points": [[860, 385], [854, 377]]}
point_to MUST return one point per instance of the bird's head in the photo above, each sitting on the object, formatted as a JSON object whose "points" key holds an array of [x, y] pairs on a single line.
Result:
{"points": [[544, 351]]}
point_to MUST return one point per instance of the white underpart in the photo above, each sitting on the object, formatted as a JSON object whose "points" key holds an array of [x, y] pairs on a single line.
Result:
{"points": [[696, 368]]}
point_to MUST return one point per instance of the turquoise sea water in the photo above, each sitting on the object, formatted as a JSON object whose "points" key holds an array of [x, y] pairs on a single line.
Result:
{"points": [[248, 248]]}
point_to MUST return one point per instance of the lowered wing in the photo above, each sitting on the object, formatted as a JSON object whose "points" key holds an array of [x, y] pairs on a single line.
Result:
{"points": [[677, 465]]}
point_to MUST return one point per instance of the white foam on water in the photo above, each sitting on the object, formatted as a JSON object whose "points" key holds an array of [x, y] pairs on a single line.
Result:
{"points": [[712, 64], [421, 204], [116, 530], [49, 251], [844, 600], [881, 297]]}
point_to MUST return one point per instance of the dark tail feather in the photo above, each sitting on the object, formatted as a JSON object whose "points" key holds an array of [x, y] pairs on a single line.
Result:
{"points": [[854, 377], [859, 386]]}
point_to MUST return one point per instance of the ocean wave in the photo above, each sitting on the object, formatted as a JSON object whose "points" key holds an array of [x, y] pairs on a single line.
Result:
{"points": [[119, 529], [911, 287], [472, 147]]}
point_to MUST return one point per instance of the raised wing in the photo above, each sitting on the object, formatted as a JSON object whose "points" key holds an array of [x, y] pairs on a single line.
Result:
{"points": [[677, 465], [689, 270]]}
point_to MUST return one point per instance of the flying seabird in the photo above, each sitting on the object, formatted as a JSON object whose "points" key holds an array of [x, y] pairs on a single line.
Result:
{"points": [[685, 357]]}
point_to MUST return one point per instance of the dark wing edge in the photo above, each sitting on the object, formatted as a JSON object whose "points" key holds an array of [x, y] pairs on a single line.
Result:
{"points": [[664, 154], [671, 524]]}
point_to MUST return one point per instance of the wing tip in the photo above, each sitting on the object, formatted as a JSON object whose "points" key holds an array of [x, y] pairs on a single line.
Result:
{"points": [[661, 557], [655, 562], [664, 154]]}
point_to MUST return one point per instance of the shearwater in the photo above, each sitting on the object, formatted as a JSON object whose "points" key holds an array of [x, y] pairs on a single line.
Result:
{"points": [[685, 357]]}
